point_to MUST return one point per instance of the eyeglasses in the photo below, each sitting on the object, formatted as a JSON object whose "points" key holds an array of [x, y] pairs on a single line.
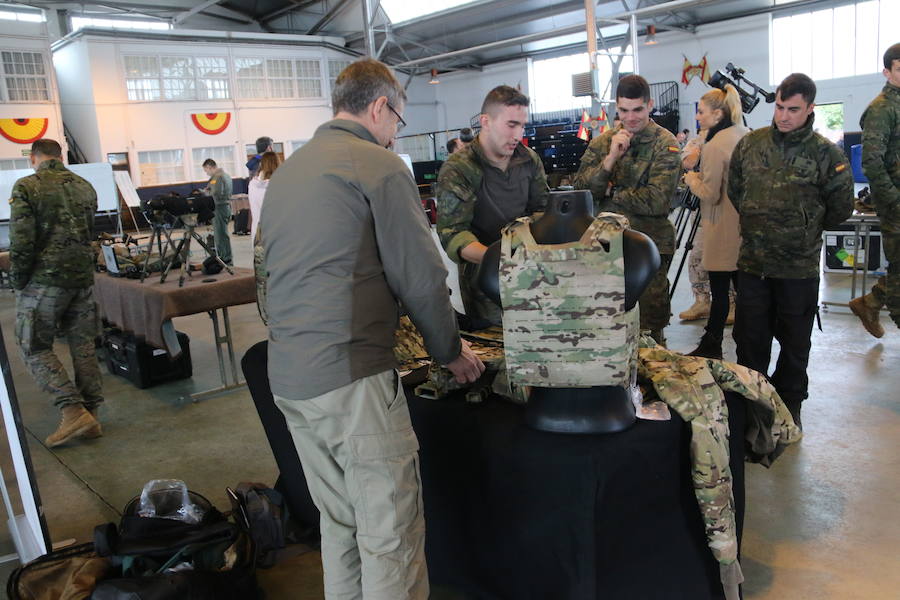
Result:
{"points": [[400, 122]]}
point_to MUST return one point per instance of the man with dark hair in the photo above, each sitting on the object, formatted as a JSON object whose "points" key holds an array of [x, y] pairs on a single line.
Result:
{"points": [[219, 187], [633, 170], [881, 164], [454, 145], [52, 270], [788, 184], [263, 145], [492, 181], [346, 243]]}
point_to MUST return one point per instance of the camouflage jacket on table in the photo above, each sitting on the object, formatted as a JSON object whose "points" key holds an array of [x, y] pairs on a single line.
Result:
{"points": [[642, 182], [564, 317], [51, 227], [787, 188], [881, 154], [693, 387], [460, 193]]}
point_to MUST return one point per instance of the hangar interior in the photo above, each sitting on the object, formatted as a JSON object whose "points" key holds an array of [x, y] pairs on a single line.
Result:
{"points": [[128, 83]]}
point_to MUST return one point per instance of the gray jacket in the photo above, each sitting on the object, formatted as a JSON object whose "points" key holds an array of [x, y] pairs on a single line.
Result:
{"points": [[346, 241]]}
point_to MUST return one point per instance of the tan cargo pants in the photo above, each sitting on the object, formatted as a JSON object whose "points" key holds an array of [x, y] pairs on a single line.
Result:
{"points": [[360, 455]]}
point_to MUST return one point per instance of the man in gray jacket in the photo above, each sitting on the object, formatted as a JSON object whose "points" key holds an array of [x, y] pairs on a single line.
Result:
{"points": [[347, 243]]}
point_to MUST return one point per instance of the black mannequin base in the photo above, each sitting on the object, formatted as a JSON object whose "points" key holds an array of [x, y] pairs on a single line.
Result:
{"points": [[604, 409]]}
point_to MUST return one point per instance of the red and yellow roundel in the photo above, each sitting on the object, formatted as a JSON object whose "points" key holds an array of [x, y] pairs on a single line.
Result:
{"points": [[211, 123], [23, 131]]}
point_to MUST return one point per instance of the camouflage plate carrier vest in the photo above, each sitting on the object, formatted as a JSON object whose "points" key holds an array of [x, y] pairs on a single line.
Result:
{"points": [[564, 317]]}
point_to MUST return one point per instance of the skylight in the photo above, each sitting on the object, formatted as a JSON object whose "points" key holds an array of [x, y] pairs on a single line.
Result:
{"points": [[80, 22], [399, 11]]}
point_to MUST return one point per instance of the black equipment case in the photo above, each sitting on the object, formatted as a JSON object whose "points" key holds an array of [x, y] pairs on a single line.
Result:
{"points": [[141, 363]]}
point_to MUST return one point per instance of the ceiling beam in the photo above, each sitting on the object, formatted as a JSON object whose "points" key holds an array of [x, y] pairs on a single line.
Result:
{"points": [[189, 13], [329, 16], [295, 5]]}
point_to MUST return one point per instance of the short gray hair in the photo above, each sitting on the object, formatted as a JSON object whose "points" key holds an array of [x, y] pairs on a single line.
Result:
{"points": [[363, 82]]}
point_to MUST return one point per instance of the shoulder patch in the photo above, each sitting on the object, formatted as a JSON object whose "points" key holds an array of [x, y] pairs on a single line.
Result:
{"points": [[840, 167], [673, 149], [212, 182]]}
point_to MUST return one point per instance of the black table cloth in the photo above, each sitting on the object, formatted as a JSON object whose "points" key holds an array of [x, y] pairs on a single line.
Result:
{"points": [[517, 514]]}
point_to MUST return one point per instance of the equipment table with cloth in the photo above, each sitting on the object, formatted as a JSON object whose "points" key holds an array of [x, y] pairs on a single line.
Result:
{"points": [[147, 309]]}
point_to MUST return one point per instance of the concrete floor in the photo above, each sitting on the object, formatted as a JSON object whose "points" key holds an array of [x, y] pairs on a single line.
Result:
{"points": [[821, 523]]}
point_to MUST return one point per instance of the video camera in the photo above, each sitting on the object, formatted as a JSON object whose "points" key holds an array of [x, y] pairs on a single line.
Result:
{"points": [[748, 100], [176, 205]]}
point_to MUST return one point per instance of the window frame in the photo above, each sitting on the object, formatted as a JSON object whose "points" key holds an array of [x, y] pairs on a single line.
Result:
{"points": [[5, 95], [195, 79]]}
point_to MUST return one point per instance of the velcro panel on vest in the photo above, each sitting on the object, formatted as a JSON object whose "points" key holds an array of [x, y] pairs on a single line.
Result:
{"points": [[564, 317]]}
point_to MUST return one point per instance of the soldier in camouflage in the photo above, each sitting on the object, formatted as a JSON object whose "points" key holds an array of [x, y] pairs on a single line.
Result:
{"points": [[52, 271], [633, 170], [881, 163], [219, 187], [787, 184], [489, 183]]}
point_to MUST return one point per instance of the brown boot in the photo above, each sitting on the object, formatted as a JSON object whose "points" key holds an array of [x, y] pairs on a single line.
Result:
{"points": [[95, 431], [867, 314], [76, 421], [729, 320], [698, 310]]}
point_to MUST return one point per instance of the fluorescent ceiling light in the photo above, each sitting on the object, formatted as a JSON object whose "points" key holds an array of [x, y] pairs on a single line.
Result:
{"points": [[399, 11]]}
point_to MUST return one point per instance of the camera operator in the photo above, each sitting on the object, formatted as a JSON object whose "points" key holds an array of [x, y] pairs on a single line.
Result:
{"points": [[881, 164], [633, 170], [788, 184], [219, 187]]}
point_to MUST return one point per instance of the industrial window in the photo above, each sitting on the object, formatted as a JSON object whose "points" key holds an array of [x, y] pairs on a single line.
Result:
{"points": [[10, 164], [309, 78], [24, 77], [280, 73], [552, 80], [250, 75], [161, 166], [176, 78], [297, 144], [81, 22], [212, 78], [223, 155], [335, 67], [17, 15], [842, 41]]}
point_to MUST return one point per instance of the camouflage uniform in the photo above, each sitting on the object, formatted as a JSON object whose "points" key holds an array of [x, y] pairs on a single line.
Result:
{"points": [[470, 212], [641, 187], [219, 187], [786, 188], [564, 317], [881, 163], [52, 271], [693, 387]]}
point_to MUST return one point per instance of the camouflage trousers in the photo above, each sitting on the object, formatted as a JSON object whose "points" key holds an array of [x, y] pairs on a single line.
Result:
{"points": [[697, 275], [474, 300], [42, 311], [654, 302], [886, 291], [220, 231]]}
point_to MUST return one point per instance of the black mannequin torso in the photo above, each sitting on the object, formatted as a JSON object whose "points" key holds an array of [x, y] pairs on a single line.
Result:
{"points": [[601, 409]]}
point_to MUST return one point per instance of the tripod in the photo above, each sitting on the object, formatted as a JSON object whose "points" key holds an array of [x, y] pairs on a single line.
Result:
{"points": [[687, 220], [183, 250], [159, 229]]}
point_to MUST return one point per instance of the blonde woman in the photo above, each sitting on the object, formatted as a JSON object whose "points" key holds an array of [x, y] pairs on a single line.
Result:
{"points": [[719, 112], [256, 189]]}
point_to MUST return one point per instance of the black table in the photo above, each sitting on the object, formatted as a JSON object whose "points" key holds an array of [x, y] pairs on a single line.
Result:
{"points": [[517, 514]]}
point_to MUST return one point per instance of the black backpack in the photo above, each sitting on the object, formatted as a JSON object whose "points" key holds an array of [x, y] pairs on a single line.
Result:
{"points": [[275, 534], [163, 559]]}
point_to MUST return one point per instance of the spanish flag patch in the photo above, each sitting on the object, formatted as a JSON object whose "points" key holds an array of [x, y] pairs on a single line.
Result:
{"points": [[840, 167], [674, 149]]}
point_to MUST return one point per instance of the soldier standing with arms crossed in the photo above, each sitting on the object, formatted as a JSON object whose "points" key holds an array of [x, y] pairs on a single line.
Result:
{"points": [[881, 164], [633, 170], [489, 183], [52, 270], [219, 187], [788, 184]]}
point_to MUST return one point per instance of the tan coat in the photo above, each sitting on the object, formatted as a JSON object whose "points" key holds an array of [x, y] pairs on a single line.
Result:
{"points": [[721, 228]]}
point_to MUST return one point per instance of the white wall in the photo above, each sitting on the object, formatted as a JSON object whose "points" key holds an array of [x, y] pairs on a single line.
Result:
{"points": [[452, 103], [119, 125], [16, 35]]}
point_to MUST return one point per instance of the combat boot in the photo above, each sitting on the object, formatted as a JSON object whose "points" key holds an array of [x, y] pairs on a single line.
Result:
{"points": [[76, 421], [794, 407], [868, 314], [95, 431], [698, 310], [710, 347]]}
